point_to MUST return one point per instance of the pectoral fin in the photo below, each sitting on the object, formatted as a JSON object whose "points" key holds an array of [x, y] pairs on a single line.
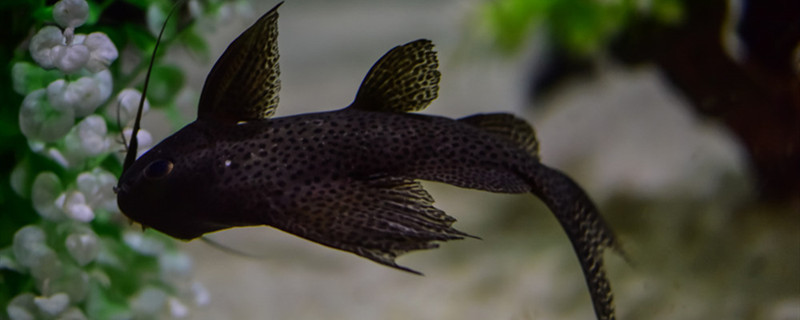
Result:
{"points": [[243, 85], [405, 79], [378, 218]]}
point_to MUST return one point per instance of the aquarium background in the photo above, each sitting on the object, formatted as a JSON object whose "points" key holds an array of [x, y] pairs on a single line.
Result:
{"points": [[701, 240]]}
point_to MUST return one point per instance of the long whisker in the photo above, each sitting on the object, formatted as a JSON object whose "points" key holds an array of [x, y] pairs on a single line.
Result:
{"points": [[121, 131], [133, 147], [220, 246]]}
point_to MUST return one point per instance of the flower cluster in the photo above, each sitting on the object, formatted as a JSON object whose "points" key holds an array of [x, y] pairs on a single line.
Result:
{"points": [[81, 259], [48, 114]]}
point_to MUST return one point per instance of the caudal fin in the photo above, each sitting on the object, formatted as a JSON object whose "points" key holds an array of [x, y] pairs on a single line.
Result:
{"points": [[585, 227]]}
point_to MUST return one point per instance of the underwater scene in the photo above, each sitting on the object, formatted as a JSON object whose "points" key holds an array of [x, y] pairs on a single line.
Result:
{"points": [[479, 159]]}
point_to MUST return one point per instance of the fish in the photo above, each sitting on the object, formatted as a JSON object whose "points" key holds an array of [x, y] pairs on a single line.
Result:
{"points": [[350, 178]]}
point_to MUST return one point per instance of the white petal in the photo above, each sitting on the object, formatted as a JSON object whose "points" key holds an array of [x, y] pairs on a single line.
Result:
{"points": [[145, 140], [143, 244], [38, 120], [85, 94], [201, 295], [83, 246], [75, 207], [70, 59], [105, 83], [46, 189], [43, 42], [98, 187], [25, 242], [56, 95], [177, 309], [59, 157], [92, 132], [148, 302], [21, 307], [71, 13], [127, 106], [52, 305], [102, 51]]}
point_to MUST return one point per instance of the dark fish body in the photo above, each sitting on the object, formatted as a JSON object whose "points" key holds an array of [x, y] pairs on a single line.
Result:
{"points": [[347, 179], [271, 166]]}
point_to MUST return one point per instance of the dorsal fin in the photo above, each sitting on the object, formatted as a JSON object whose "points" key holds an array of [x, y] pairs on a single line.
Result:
{"points": [[405, 79], [243, 85], [509, 127]]}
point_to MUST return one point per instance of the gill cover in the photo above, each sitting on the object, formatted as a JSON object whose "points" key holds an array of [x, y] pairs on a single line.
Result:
{"points": [[163, 189]]}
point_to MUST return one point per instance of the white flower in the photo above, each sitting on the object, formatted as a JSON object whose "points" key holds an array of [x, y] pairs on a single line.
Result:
{"points": [[43, 43], [20, 179], [143, 243], [201, 295], [175, 267], [26, 243], [177, 309], [46, 190], [73, 313], [75, 207], [21, 307], [148, 302], [144, 138], [102, 51], [97, 186], [92, 132], [30, 249], [126, 106], [71, 13], [52, 305], [58, 157], [70, 58], [105, 83], [56, 96], [83, 245], [85, 95], [38, 120]]}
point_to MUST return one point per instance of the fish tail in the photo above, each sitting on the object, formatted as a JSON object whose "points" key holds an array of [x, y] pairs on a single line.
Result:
{"points": [[585, 227]]}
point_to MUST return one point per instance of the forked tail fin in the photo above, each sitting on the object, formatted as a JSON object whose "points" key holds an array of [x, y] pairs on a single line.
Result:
{"points": [[585, 227]]}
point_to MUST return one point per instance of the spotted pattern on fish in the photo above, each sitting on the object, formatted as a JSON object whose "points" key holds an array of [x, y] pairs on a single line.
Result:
{"points": [[405, 79], [348, 179], [246, 75]]}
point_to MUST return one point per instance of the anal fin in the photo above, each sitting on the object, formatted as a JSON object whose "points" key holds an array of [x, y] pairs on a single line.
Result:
{"points": [[379, 218]]}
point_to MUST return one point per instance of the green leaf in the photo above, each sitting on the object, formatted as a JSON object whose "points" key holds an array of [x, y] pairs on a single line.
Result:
{"points": [[44, 13], [139, 37], [174, 116], [28, 77], [165, 83], [195, 43], [156, 15]]}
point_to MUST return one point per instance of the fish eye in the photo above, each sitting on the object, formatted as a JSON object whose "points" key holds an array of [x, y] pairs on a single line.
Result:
{"points": [[158, 169]]}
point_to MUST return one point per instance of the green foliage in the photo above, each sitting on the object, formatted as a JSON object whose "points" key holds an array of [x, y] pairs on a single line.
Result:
{"points": [[583, 27], [165, 82], [65, 249]]}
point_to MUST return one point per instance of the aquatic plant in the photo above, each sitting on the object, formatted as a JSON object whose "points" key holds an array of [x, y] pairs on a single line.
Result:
{"points": [[67, 252]]}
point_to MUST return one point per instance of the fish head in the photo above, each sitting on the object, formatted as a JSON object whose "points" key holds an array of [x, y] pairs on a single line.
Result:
{"points": [[167, 188]]}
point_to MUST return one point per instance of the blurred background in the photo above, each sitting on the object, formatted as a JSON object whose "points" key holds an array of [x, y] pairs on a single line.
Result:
{"points": [[676, 185], [681, 119]]}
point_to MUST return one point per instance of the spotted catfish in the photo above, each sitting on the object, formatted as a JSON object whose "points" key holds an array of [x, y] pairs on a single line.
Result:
{"points": [[347, 179]]}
